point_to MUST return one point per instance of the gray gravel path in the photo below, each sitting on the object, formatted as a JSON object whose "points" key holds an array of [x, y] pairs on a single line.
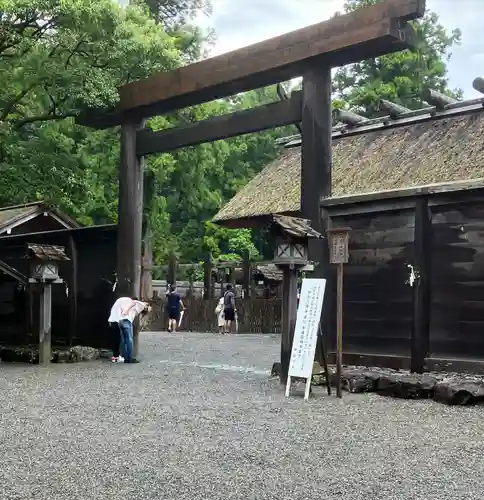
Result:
{"points": [[200, 419]]}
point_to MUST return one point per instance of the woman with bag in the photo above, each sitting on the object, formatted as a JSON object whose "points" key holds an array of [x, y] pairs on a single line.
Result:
{"points": [[219, 311]]}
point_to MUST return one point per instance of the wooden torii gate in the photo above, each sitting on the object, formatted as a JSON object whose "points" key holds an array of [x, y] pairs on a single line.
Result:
{"points": [[310, 52]]}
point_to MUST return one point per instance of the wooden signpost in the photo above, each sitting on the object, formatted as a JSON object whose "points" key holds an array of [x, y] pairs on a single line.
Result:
{"points": [[306, 332], [338, 245]]}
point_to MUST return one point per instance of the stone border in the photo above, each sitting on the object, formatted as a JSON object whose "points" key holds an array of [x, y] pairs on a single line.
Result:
{"points": [[448, 388], [30, 354]]}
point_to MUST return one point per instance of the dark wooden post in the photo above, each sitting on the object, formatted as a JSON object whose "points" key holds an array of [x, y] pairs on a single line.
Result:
{"points": [[316, 155], [230, 277], [247, 280], [422, 265], [207, 278], [45, 351], [130, 218], [316, 164], [172, 270], [146, 291], [73, 285], [289, 313]]}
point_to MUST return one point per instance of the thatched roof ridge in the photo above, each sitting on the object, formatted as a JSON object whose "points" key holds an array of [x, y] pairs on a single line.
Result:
{"points": [[47, 252], [269, 271], [295, 226], [444, 150]]}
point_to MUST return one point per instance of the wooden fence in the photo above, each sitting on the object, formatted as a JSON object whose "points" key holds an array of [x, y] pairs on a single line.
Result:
{"points": [[254, 315]]}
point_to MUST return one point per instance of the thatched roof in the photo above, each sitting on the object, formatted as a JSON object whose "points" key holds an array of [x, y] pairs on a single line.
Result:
{"points": [[441, 150], [47, 252], [270, 271], [295, 226]]}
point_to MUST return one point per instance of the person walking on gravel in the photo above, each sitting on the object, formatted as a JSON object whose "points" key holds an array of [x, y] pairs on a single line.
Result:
{"points": [[229, 308], [219, 311], [174, 305]]}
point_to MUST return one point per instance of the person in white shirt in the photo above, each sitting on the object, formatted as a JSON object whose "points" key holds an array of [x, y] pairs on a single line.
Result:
{"points": [[123, 312]]}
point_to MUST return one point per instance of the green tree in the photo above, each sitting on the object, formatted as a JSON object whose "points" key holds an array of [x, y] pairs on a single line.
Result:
{"points": [[60, 58], [207, 176], [400, 77], [57, 59]]}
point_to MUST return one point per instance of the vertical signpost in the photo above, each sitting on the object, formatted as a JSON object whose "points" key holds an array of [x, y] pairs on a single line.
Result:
{"points": [[338, 245], [306, 332]]}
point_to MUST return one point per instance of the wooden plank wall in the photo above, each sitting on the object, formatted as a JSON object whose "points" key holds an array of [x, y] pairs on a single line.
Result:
{"points": [[12, 311], [457, 293], [96, 264], [378, 302]]}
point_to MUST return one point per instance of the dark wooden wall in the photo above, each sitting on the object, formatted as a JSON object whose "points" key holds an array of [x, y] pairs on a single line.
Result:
{"points": [[378, 302], [38, 224], [12, 311], [440, 317], [457, 305], [79, 317]]}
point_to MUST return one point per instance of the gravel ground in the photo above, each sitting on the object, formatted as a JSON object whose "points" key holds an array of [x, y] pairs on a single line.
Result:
{"points": [[199, 418]]}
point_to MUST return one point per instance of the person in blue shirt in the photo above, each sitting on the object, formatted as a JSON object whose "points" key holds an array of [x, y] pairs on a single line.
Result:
{"points": [[174, 304]]}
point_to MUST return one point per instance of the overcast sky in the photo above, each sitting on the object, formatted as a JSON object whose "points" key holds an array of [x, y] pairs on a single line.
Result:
{"points": [[239, 23]]}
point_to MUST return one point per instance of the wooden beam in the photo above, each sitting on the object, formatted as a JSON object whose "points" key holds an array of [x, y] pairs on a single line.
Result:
{"points": [[316, 166], [368, 32], [99, 118], [393, 109], [130, 218], [73, 287], [172, 269], [349, 117], [478, 84], [289, 313], [45, 350], [316, 147], [283, 96], [248, 121], [207, 278], [422, 287], [437, 99], [247, 276]]}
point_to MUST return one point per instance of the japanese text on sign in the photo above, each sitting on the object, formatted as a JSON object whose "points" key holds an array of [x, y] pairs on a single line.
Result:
{"points": [[339, 248], [307, 324]]}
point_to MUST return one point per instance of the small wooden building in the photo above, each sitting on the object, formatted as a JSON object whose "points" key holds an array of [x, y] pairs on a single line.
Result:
{"points": [[411, 189], [80, 305], [269, 277], [33, 218]]}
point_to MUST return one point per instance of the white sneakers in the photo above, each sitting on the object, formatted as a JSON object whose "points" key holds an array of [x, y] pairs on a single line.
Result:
{"points": [[119, 359]]}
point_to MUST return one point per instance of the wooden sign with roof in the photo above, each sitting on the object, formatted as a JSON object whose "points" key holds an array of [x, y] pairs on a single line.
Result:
{"points": [[310, 52]]}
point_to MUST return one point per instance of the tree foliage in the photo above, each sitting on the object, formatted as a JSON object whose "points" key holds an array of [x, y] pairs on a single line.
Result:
{"points": [[400, 77], [61, 57]]}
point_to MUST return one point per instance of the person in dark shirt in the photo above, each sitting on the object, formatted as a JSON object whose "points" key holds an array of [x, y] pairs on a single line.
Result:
{"points": [[229, 308], [174, 304]]}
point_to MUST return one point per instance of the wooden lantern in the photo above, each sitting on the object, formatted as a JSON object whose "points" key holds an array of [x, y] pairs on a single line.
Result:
{"points": [[292, 237], [44, 267], [291, 251]]}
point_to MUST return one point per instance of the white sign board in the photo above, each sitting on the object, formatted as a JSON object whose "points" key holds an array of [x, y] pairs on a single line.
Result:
{"points": [[306, 331]]}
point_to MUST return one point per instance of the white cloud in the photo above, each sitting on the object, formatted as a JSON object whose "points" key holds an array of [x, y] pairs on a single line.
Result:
{"points": [[240, 24]]}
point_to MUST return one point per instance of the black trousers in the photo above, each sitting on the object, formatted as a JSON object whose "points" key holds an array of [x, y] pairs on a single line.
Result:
{"points": [[116, 338]]}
